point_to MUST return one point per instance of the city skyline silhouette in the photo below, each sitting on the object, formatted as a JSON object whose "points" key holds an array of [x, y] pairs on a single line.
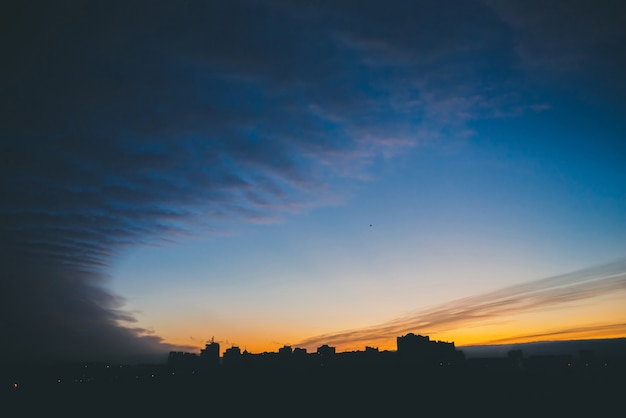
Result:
{"points": [[420, 373]]}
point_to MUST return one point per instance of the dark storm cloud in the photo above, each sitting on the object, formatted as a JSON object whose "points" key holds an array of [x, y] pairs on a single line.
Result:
{"points": [[126, 122]]}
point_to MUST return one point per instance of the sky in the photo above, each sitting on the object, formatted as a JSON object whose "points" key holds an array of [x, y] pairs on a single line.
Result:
{"points": [[269, 173]]}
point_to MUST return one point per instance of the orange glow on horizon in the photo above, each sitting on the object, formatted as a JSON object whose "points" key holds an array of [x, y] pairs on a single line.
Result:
{"points": [[582, 312], [521, 336]]}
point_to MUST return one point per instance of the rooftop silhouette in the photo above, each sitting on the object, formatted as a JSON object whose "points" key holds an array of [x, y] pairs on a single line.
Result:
{"points": [[411, 349]]}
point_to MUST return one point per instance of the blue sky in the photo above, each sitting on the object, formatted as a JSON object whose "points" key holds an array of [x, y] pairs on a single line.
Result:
{"points": [[445, 225], [266, 173]]}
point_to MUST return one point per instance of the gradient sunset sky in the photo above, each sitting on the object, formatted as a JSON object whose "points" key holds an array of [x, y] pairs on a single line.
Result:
{"points": [[309, 172]]}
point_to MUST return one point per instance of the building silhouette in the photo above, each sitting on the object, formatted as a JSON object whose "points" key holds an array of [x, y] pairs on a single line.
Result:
{"points": [[233, 356], [421, 349], [285, 351], [210, 354], [326, 350], [411, 348]]}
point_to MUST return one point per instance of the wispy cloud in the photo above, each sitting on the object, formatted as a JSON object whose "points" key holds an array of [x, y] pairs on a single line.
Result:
{"points": [[493, 306], [574, 333]]}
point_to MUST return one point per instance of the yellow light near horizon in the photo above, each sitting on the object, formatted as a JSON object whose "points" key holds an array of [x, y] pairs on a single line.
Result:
{"points": [[599, 317], [602, 317]]}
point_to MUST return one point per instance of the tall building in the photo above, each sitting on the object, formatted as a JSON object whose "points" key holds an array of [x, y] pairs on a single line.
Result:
{"points": [[232, 356], [210, 354], [418, 348], [411, 343]]}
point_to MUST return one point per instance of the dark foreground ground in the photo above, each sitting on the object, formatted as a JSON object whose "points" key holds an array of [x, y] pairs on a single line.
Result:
{"points": [[372, 391]]}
